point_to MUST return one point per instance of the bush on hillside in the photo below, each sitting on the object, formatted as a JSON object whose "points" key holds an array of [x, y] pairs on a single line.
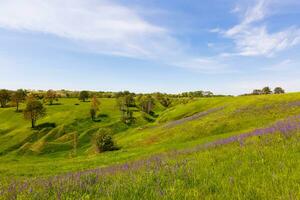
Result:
{"points": [[266, 90], [83, 95], [279, 90], [103, 140]]}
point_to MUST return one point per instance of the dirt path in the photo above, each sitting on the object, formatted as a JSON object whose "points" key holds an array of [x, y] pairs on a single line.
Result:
{"points": [[191, 118]]}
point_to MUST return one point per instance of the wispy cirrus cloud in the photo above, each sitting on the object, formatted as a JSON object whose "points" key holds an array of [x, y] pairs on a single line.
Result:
{"points": [[113, 28], [107, 27], [252, 37], [282, 66], [103, 26]]}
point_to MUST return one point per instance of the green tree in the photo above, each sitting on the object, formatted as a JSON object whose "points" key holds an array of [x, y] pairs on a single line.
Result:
{"points": [[279, 90], [147, 104], [94, 107], [127, 115], [83, 95], [257, 92], [124, 103], [164, 100], [103, 140], [34, 110], [51, 96], [4, 97], [266, 90], [18, 97]]}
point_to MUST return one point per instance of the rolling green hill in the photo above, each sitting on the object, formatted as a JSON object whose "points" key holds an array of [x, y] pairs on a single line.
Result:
{"points": [[48, 150]]}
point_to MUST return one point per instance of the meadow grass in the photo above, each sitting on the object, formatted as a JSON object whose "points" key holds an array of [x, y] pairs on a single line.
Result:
{"points": [[47, 151], [264, 167]]}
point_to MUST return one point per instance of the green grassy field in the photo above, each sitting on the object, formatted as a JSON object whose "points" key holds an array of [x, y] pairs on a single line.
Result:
{"points": [[264, 168]]}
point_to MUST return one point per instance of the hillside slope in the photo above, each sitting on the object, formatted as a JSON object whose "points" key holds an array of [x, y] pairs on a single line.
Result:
{"points": [[47, 151], [265, 164]]}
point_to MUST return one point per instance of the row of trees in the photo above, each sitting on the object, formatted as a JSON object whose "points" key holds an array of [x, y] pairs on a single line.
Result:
{"points": [[267, 90], [35, 109], [19, 96], [16, 97], [100, 94], [128, 103], [197, 94], [52, 96]]}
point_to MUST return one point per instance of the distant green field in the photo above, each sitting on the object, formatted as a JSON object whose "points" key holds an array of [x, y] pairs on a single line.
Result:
{"points": [[47, 151]]}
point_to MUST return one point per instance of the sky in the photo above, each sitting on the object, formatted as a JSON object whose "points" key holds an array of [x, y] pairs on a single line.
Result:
{"points": [[225, 46]]}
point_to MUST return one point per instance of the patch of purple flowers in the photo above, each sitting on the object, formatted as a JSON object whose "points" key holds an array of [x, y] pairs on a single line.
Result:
{"points": [[285, 127], [293, 104], [85, 179]]}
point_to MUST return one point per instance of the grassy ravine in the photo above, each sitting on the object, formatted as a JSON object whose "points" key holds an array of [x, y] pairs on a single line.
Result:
{"points": [[263, 168]]}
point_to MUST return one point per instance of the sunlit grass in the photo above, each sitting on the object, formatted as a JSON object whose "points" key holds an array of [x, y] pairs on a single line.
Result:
{"points": [[265, 167], [47, 152]]}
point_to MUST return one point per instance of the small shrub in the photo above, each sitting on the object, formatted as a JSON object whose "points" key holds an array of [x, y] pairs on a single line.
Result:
{"points": [[103, 141]]}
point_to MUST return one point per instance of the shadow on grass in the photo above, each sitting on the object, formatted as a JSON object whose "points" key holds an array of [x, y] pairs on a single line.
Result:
{"points": [[153, 114], [103, 116], [100, 117], [45, 125], [5, 131], [54, 104]]}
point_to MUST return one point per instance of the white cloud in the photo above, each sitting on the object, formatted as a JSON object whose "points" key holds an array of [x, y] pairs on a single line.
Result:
{"points": [[257, 12], [206, 65], [215, 30], [113, 28], [210, 45], [236, 9], [101, 26], [252, 38], [282, 66], [256, 41]]}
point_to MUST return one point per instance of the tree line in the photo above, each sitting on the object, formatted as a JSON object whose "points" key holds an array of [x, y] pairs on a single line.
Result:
{"points": [[268, 90], [101, 94], [127, 103]]}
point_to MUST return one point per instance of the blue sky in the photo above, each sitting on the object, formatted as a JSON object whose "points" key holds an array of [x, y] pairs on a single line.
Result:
{"points": [[226, 46]]}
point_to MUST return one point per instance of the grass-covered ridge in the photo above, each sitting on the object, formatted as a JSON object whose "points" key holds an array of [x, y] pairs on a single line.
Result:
{"points": [[47, 150]]}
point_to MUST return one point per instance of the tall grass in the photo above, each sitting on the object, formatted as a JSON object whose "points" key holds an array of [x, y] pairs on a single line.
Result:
{"points": [[263, 164]]}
